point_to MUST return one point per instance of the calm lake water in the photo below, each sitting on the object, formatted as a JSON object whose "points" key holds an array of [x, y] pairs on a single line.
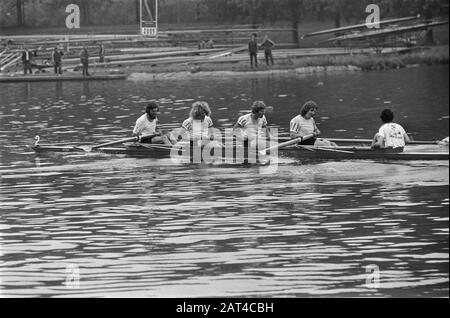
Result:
{"points": [[90, 225]]}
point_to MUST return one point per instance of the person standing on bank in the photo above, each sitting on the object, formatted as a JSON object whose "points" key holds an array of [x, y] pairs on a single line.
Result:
{"points": [[57, 60], [253, 50], [267, 45], [390, 136], [84, 58], [101, 53], [146, 125], [26, 60]]}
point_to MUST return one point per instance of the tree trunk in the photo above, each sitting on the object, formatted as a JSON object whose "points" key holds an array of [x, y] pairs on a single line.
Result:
{"points": [[295, 37], [84, 8], [321, 12], [253, 13], [138, 11], [429, 38], [19, 10], [337, 20]]}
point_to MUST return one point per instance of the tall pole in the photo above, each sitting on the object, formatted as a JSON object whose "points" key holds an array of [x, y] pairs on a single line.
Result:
{"points": [[156, 17], [140, 16]]}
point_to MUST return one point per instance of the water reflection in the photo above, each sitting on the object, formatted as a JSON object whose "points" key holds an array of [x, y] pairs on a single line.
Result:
{"points": [[86, 92], [151, 228], [147, 230], [58, 89]]}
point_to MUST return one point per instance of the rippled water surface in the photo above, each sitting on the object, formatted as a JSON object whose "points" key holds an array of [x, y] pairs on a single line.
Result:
{"points": [[111, 225]]}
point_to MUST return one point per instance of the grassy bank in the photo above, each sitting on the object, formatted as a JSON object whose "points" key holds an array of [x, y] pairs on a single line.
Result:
{"points": [[438, 55]]}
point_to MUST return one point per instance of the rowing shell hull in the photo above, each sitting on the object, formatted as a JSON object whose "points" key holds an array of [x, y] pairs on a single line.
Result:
{"points": [[363, 153], [340, 153]]}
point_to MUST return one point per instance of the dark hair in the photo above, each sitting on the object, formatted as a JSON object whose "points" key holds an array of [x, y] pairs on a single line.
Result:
{"points": [[307, 107], [257, 106], [199, 110], [150, 106], [387, 116]]}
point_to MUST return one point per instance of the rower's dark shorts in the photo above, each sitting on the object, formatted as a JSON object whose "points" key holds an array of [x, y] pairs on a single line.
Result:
{"points": [[392, 150], [308, 142], [147, 140]]}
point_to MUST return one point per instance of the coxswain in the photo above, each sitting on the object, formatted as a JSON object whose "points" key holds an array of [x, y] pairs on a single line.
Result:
{"points": [[390, 136]]}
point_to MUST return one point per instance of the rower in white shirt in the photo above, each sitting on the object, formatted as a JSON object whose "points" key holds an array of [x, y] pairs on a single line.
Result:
{"points": [[146, 125], [199, 125], [304, 125], [253, 125], [390, 136]]}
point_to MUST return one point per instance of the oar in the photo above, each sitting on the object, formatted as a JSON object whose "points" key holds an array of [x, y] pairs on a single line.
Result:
{"points": [[111, 143], [325, 149], [287, 143]]}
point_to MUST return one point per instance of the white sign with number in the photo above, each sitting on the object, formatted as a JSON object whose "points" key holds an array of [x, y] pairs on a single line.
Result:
{"points": [[149, 31]]}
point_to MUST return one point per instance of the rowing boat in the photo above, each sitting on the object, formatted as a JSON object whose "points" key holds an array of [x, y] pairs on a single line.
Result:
{"points": [[301, 152]]}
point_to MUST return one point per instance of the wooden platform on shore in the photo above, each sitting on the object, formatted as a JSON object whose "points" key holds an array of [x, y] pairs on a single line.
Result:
{"points": [[54, 78]]}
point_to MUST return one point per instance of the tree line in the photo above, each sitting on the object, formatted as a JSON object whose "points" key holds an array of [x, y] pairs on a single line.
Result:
{"points": [[34, 13]]}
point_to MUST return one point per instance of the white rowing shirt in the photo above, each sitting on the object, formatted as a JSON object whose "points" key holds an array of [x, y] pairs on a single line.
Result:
{"points": [[144, 126], [302, 126], [252, 128], [393, 135], [198, 128]]}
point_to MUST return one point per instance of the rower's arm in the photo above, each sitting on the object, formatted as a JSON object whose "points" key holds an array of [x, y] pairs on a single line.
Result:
{"points": [[295, 135], [213, 133], [238, 131], [378, 141], [237, 125], [316, 130], [136, 132], [407, 138]]}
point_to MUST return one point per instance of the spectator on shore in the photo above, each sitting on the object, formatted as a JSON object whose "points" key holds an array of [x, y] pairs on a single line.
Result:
{"points": [[267, 45], [84, 58], [253, 50], [26, 60], [57, 60], [202, 45], [8, 45], [210, 44], [101, 53]]}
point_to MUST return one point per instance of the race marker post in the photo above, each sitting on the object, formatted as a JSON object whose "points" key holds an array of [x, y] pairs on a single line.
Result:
{"points": [[149, 18]]}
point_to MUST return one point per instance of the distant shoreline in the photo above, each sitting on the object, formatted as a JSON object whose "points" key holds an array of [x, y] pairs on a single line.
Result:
{"points": [[434, 55], [202, 74], [437, 55]]}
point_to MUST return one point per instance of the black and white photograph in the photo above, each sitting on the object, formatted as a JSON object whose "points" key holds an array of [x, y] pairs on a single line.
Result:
{"points": [[224, 154]]}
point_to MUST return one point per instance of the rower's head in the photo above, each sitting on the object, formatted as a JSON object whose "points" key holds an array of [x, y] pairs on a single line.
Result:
{"points": [[200, 110], [387, 116], [206, 108], [152, 110], [258, 109], [309, 109]]}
